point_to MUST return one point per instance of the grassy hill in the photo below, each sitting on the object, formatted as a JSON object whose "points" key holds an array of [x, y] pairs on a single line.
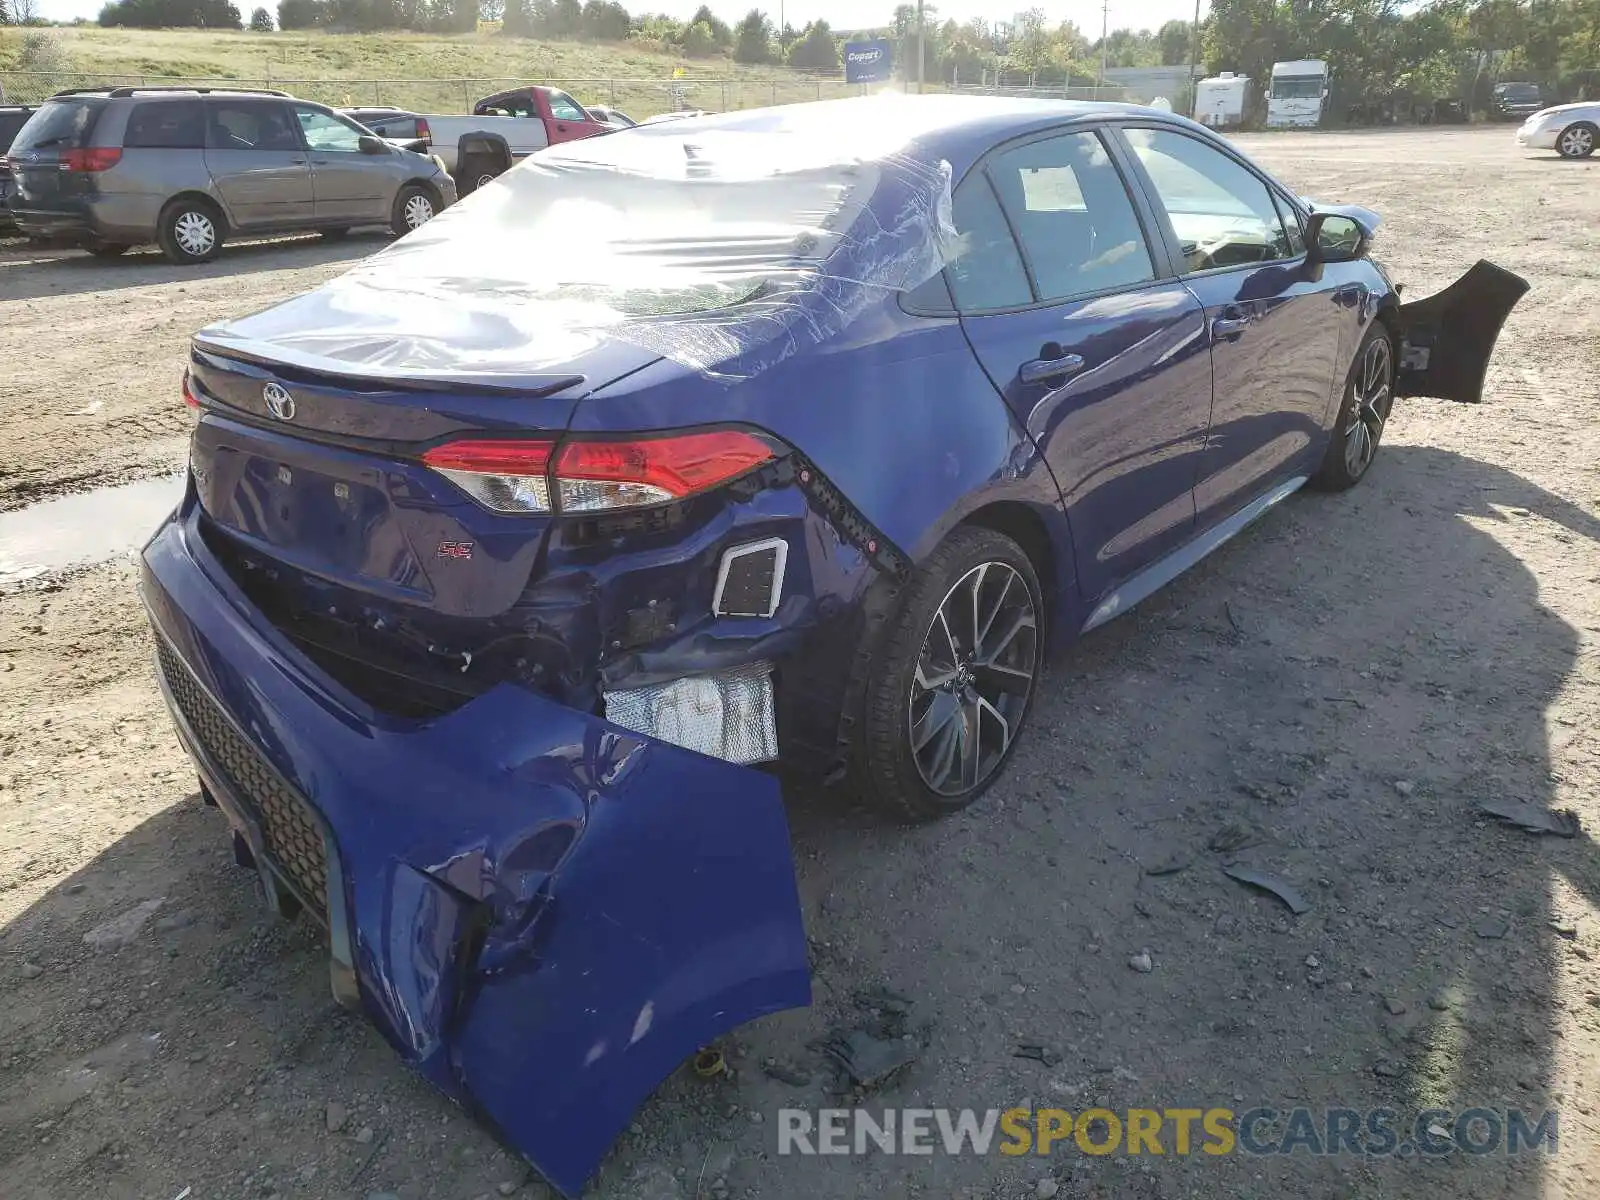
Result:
{"points": [[326, 66]]}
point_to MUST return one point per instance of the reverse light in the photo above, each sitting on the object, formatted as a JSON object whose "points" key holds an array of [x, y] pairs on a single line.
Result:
{"points": [[595, 476], [90, 158], [506, 476]]}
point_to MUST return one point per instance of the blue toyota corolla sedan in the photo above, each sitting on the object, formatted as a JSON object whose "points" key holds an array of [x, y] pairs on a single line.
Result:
{"points": [[791, 436]]}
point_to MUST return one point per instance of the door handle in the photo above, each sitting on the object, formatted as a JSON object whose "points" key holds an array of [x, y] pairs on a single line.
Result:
{"points": [[1228, 328], [1041, 370]]}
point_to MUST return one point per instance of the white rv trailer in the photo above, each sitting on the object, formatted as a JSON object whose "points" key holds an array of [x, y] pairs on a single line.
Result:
{"points": [[1220, 101], [1299, 94]]}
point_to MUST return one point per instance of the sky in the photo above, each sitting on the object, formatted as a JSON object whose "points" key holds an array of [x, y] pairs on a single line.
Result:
{"points": [[842, 14]]}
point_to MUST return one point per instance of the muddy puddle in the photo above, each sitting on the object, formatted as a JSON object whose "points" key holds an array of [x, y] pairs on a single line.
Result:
{"points": [[85, 528]]}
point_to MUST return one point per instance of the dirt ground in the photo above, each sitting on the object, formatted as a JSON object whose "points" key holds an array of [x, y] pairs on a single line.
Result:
{"points": [[1337, 689]]}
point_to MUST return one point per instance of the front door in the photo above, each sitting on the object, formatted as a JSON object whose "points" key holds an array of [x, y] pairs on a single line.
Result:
{"points": [[568, 119], [258, 163], [1103, 360], [348, 184], [1275, 326]]}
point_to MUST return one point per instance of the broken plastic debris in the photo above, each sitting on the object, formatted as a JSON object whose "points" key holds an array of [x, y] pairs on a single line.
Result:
{"points": [[1235, 835], [1039, 1052], [869, 1060], [1532, 818], [1268, 882]]}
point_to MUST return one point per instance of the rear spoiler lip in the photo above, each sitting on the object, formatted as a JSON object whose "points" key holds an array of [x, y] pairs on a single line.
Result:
{"points": [[273, 359]]}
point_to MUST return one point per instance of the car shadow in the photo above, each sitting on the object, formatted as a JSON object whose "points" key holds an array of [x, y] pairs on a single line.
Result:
{"points": [[29, 272], [1266, 708]]}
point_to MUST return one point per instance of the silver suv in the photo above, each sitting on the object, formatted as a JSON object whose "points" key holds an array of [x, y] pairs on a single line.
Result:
{"points": [[109, 168]]}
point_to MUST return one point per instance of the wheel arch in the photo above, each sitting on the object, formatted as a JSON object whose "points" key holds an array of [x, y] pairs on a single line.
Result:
{"points": [[1023, 524], [202, 197], [426, 185]]}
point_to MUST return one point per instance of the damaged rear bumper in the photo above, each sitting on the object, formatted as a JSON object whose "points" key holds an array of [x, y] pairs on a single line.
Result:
{"points": [[544, 913]]}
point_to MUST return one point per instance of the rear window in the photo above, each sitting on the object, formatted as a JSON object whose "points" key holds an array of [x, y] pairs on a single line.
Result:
{"points": [[58, 123], [167, 125], [1518, 91], [392, 127], [674, 225]]}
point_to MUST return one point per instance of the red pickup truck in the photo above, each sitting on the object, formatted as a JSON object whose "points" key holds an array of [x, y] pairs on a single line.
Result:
{"points": [[515, 124]]}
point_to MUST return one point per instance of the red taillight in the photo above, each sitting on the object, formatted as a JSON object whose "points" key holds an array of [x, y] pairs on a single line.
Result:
{"points": [[491, 457], [188, 392], [675, 466], [91, 158], [591, 476], [423, 129]]}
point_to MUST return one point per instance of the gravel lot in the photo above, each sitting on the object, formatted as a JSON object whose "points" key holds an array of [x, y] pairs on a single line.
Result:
{"points": [[1338, 689]]}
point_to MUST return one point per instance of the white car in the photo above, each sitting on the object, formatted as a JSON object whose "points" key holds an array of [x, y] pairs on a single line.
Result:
{"points": [[1572, 130]]}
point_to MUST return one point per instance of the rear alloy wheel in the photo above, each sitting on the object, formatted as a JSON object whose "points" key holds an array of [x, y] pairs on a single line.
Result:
{"points": [[414, 207], [1578, 141], [189, 232], [954, 680], [1368, 400]]}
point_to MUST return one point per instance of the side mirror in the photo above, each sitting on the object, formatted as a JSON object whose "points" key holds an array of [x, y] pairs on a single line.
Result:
{"points": [[1335, 238], [373, 145]]}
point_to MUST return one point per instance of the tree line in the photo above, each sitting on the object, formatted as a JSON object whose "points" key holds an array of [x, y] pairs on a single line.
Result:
{"points": [[1375, 48], [1446, 49]]}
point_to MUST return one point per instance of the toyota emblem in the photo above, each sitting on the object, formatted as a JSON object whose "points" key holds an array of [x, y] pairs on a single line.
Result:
{"points": [[279, 402]]}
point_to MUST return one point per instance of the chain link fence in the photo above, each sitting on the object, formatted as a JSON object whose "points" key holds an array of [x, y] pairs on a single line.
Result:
{"points": [[637, 97], [1109, 92]]}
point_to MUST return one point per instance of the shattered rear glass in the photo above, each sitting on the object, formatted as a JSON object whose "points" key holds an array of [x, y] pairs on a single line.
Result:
{"points": [[719, 246]]}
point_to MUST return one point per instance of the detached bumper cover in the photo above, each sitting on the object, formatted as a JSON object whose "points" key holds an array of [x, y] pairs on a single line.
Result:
{"points": [[544, 913]]}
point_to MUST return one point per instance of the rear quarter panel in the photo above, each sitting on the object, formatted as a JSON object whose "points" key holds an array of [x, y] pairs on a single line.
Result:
{"points": [[896, 412], [130, 196]]}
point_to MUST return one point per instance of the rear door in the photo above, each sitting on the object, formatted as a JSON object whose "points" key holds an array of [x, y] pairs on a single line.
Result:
{"points": [[1275, 327], [1069, 304], [258, 163], [36, 153], [348, 184]]}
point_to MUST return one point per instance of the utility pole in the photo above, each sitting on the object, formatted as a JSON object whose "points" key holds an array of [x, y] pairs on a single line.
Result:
{"points": [[1105, 44], [1194, 65], [921, 54]]}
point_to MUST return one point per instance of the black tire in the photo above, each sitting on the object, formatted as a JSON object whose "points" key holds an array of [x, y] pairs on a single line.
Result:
{"points": [[402, 215], [1578, 141], [904, 780], [336, 234], [181, 231], [109, 249], [1363, 413]]}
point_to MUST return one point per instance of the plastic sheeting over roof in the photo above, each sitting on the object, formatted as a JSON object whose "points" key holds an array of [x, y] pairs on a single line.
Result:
{"points": [[723, 244]]}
